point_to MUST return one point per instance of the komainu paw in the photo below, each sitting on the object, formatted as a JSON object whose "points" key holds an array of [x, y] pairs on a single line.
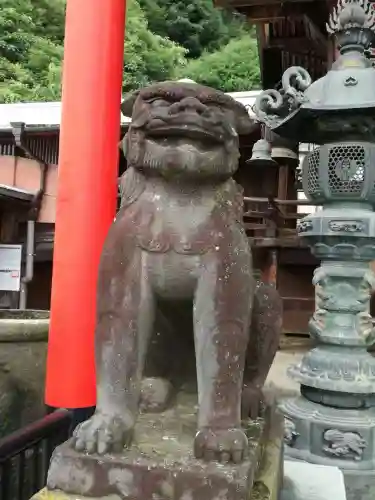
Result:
{"points": [[103, 434]]}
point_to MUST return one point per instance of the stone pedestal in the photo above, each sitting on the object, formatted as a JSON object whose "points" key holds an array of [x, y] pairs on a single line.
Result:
{"points": [[333, 436], [160, 464], [23, 346], [333, 422], [304, 481]]}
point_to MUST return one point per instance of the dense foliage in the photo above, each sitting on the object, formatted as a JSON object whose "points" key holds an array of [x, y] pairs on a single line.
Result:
{"points": [[165, 39], [228, 68], [196, 25]]}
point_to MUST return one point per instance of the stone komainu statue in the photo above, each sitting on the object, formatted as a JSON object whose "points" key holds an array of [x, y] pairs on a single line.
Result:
{"points": [[178, 247]]}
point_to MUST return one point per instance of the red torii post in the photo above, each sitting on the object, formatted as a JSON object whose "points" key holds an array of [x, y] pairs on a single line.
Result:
{"points": [[87, 190]]}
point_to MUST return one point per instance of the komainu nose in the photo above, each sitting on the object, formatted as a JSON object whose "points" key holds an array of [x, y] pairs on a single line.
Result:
{"points": [[188, 104]]}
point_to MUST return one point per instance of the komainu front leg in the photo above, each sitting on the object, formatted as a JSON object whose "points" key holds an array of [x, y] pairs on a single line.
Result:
{"points": [[265, 331], [221, 330], [124, 321]]}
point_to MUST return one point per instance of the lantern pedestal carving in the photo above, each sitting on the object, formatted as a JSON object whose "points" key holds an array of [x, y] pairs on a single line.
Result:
{"points": [[333, 436], [324, 435], [333, 422]]}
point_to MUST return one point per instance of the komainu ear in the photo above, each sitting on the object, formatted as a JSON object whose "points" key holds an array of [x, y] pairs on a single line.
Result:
{"points": [[128, 103]]}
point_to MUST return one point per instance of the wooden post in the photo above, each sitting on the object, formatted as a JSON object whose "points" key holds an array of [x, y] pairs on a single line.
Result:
{"points": [[269, 272], [87, 192]]}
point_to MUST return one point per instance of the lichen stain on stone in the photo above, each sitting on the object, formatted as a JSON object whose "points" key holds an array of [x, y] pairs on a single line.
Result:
{"points": [[253, 429], [167, 489], [260, 492], [46, 494], [123, 480], [222, 495], [187, 495], [70, 475]]}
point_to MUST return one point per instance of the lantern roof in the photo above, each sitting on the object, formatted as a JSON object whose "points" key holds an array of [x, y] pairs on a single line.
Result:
{"points": [[340, 103]]}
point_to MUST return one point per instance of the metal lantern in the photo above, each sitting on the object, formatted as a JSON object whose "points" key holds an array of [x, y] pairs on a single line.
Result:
{"points": [[340, 172], [333, 421]]}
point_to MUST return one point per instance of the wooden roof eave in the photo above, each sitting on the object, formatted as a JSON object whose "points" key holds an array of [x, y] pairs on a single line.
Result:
{"points": [[15, 197]]}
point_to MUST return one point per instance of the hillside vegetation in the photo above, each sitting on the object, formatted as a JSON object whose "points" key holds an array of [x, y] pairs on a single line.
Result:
{"points": [[165, 39]]}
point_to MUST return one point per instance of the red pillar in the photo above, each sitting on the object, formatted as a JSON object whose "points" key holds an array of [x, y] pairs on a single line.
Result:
{"points": [[86, 201]]}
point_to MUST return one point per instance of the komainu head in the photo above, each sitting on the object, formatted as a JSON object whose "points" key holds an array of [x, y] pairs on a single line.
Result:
{"points": [[184, 130]]}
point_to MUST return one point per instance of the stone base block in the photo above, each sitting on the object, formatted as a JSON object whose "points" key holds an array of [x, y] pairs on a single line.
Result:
{"points": [[160, 464], [329, 436], [323, 435], [303, 481], [360, 485]]}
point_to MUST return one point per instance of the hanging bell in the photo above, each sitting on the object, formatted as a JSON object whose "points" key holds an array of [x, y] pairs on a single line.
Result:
{"points": [[261, 156], [284, 151], [285, 156]]}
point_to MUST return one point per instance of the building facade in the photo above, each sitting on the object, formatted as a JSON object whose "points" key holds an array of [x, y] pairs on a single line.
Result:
{"points": [[29, 145]]}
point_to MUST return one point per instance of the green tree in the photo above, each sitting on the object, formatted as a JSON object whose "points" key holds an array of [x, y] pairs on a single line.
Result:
{"points": [[233, 68], [49, 18], [156, 14], [15, 24], [196, 25], [31, 50], [28, 53], [162, 37], [148, 57]]}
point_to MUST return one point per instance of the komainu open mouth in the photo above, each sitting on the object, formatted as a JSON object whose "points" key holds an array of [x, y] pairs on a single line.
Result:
{"points": [[186, 132]]}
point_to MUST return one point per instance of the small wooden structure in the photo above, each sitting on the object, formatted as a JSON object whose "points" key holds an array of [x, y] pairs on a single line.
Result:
{"points": [[270, 217], [289, 33]]}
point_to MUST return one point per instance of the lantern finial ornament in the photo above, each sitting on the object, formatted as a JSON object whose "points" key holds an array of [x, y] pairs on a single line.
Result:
{"points": [[352, 22], [318, 112], [350, 14]]}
